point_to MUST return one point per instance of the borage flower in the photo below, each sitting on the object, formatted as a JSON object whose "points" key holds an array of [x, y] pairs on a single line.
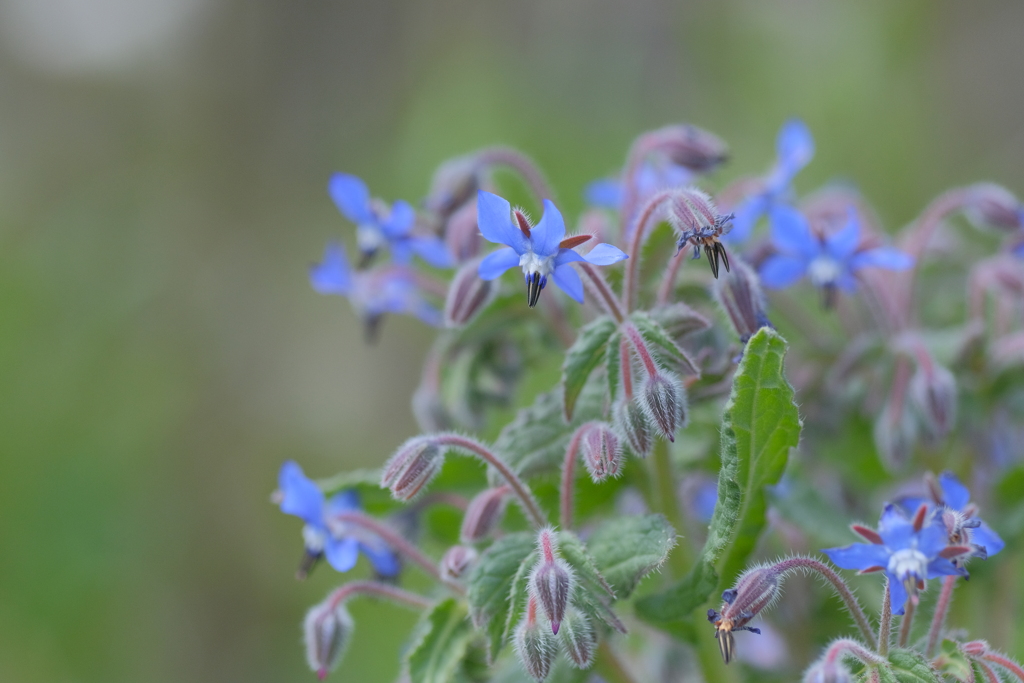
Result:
{"points": [[651, 177], [372, 293], [325, 536], [377, 225], [794, 149], [541, 250], [830, 262], [909, 551]]}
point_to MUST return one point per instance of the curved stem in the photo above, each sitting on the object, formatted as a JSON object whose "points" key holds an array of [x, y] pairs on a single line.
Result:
{"points": [[604, 291], [907, 622], [377, 590], [885, 626], [988, 672], [668, 283], [1005, 662], [568, 479], [522, 164], [847, 646], [519, 487], [639, 235], [626, 365], [941, 609], [637, 339]]}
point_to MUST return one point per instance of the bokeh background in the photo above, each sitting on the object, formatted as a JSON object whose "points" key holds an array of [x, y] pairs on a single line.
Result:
{"points": [[162, 190]]}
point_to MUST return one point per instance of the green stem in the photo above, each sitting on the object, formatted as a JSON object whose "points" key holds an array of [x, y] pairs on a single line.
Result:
{"points": [[668, 504]]}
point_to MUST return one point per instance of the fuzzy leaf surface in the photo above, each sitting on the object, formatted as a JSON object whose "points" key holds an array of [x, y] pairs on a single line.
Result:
{"points": [[490, 584], [626, 549], [663, 346], [441, 643], [586, 353]]}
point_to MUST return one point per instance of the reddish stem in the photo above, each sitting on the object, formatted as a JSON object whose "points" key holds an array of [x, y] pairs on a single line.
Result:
{"points": [[826, 572], [626, 365], [640, 345], [639, 235], [987, 671], [506, 156], [377, 590], [1005, 662], [668, 284], [569, 478], [939, 617], [885, 627], [604, 291], [908, 620], [848, 646]]}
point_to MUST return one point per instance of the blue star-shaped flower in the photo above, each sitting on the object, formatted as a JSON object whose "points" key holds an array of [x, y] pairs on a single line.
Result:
{"points": [[389, 289], [377, 226], [651, 177], [830, 262], [908, 551], [958, 515], [336, 542], [794, 150], [540, 250]]}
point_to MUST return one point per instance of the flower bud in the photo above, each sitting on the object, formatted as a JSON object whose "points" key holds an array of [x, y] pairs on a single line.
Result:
{"points": [[690, 147], [327, 631], [483, 514], [975, 648], [995, 206], [679, 320], [602, 454], [454, 184], [457, 561], [828, 671], [462, 234], [895, 436], [579, 639], [664, 402], [411, 468], [933, 391], [468, 294], [740, 296], [535, 645], [551, 581], [755, 590], [631, 422]]}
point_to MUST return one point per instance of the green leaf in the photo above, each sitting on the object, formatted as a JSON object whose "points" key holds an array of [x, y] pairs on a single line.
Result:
{"points": [[592, 594], [517, 595], [952, 663], [441, 642], [909, 666], [582, 357], [664, 347], [627, 548], [760, 425], [490, 582], [679, 320]]}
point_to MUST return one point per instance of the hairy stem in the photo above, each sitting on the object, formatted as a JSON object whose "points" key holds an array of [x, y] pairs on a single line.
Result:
{"points": [[988, 672], [600, 286], [522, 164], [668, 503], [637, 339], [1005, 662], [519, 487], [668, 283], [377, 590], [626, 365], [569, 480], [885, 626], [907, 622], [939, 617], [848, 647], [630, 282]]}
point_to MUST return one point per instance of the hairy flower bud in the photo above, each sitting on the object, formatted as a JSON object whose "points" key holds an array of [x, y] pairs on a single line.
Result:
{"points": [[975, 648], [933, 391], [664, 402], [535, 645], [468, 294], [454, 184], [995, 206], [631, 421], [690, 147], [755, 590], [457, 561], [551, 581], [578, 639], [740, 296], [327, 631], [602, 454], [483, 514], [411, 468], [895, 435], [828, 671], [462, 234]]}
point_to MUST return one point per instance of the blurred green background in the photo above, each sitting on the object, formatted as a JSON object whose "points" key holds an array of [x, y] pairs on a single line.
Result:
{"points": [[162, 189]]}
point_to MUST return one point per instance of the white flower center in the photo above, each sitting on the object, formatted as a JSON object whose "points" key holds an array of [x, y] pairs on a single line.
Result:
{"points": [[314, 539], [369, 238], [824, 270], [531, 263], [908, 562]]}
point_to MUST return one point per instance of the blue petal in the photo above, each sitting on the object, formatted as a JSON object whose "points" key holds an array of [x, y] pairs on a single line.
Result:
{"points": [[300, 496], [343, 501], [897, 594], [780, 271], [567, 256], [745, 217], [842, 244], [989, 539], [882, 257], [432, 250], [400, 221], [605, 255], [497, 262], [791, 233], [401, 251], [931, 540], [352, 197], [569, 281], [892, 516], [704, 501], [606, 192], [331, 276], [494, 217], [342, 553], [859, 556], [940, 566], [428, 314], [548, 232], [384, 561], [955, 494], [846, 282], [794, 146]]}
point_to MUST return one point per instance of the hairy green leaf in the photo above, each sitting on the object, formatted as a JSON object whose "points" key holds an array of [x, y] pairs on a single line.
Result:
{"points": [[490, 583], [760, 426], [582, 357], [592, 594], [626, 549], [441, 642], [663, 346], [909, 666]]}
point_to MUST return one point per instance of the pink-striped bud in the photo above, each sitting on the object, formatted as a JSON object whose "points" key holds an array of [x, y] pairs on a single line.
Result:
{"points": [[995, 206], [828, 671], [483, 514], [933, 391], [740, 296], [411, 468], [462, 233], [552, 580], [975, 648], [327, 631], [457, 561], [602, 453], [664, 402], [631, 421], [535, 645], [454, 184], [755, 590], [468, 294], [578, 639], [690, 147]]}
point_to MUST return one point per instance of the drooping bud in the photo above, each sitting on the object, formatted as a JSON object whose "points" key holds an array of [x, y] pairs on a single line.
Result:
{"points": [[697, 222], [895, 435], [454, 184], [468, 294], [602, 453], [755, 590], [995, 206], [457, 561], [551, 581], [411, 468], [631, 421], [933, 391], [535, 645], [326, 632], [828, 671], [690, 147], [663, 400], [483, 514], [740, 296], [462, 234], [679, 320], [975, 648], [579, 639]]}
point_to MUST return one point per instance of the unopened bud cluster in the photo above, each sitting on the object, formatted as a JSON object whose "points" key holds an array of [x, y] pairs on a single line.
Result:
{"points": [[327, 631], [601, 450]]}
